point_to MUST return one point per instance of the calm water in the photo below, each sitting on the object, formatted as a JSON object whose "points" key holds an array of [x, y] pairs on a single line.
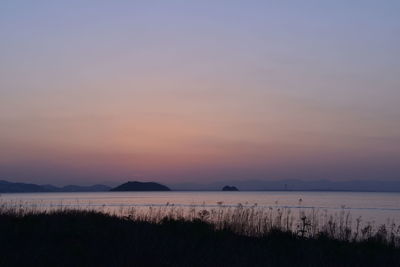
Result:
{"points": [[376, 207]]}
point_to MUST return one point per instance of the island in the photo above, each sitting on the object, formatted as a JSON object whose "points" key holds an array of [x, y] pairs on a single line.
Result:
{"points": [[141, 186], [229, 188]]}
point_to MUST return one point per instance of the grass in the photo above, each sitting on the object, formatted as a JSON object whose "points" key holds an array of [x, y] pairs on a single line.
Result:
{"points": [[173, 236]]}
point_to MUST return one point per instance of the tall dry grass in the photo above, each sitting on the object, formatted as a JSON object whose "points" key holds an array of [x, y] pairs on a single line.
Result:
{"points": [[241, 219]]}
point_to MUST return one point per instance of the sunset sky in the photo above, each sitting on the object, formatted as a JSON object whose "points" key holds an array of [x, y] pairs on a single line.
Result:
{"points": [[199, 91]]}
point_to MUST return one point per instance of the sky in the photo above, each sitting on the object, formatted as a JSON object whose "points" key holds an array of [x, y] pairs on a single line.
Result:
{"points": [[199, 91]]}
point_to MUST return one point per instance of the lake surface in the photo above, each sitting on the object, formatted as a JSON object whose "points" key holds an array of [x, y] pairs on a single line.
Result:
{"points": [[374, 207]]}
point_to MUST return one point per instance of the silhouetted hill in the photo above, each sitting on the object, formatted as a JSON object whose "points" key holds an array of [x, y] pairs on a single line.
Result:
{"points": [[91, 188], [50, 188], [7, 187], [10, 187], [141, 186], [229, 188]]}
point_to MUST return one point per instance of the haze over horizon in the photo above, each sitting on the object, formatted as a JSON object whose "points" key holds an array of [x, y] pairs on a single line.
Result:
{"points": [[172, 91]]}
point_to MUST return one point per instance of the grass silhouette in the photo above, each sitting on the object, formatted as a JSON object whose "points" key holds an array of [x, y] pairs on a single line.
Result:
{"points": [[170, 236]]}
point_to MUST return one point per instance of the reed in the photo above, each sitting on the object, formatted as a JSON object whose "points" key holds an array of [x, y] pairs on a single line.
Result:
{"points": [[170, 235], [244, 220]]}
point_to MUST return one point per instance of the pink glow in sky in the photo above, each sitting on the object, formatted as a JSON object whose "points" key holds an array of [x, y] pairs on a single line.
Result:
{"points": [[199, 91]]}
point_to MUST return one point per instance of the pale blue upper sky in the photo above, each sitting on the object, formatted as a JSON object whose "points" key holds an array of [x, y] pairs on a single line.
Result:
{"points": [[189, 90]]}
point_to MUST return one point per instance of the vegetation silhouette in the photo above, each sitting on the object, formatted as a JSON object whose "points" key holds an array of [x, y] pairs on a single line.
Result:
{"points": [[68, 237]]}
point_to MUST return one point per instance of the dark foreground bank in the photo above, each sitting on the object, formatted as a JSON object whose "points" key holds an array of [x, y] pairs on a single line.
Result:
{"points": [[84, 238]]}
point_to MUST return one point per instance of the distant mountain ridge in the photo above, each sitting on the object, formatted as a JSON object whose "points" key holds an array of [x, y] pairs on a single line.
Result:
{"points": [[294, 185], [244, 185], [10, 187]]}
